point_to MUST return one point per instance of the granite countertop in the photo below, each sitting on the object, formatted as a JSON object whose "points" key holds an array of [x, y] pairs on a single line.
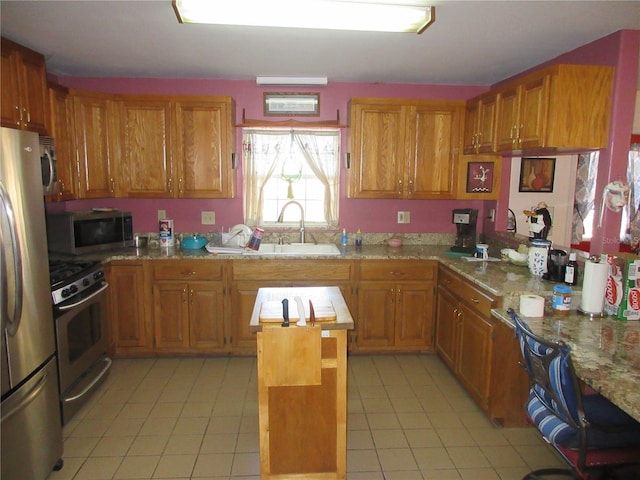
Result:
{"points": [[606, 351]]}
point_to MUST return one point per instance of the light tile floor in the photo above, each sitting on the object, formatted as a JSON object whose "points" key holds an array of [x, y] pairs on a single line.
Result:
{"points": [[197, 418]]}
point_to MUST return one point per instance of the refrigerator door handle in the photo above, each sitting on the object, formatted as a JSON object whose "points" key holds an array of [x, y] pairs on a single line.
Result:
{"points": [[13, 322], [29, 397]]}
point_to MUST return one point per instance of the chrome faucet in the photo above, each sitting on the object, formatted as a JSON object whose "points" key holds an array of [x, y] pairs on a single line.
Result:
{"points": [[281, 216]]}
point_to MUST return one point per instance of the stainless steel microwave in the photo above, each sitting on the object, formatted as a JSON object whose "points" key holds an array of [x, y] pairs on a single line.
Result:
{"points": [[86, 231]]}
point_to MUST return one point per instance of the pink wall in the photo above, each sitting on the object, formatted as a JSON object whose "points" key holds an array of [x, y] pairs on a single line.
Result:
{"points": [[368, 215]]}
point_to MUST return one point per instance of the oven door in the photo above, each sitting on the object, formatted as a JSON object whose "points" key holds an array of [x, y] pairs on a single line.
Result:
{"points": [[81, 337]]}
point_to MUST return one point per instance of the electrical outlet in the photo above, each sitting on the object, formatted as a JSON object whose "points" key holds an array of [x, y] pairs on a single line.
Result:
{"points": [[208, 218], [404, 217], [162, 214], [492, 215]]}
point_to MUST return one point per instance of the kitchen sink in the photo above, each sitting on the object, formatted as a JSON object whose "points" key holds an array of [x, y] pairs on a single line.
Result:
{"points": [[296, 249]]}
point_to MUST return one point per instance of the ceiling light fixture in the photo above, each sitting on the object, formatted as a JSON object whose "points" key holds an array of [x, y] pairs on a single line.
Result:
{"points": [[292, 81], [368, 15]]}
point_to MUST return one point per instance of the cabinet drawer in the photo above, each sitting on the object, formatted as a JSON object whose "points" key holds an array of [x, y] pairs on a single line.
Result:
{"points": [[477, 299], [187, 270], [385, 270], [449, 280], [292, 270]]}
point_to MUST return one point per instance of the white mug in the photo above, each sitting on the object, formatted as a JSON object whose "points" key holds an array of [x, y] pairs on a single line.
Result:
{"points": [[482, 251]]}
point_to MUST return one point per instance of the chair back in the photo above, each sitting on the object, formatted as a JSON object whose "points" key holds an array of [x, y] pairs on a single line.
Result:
{"points": [[552, 377]]}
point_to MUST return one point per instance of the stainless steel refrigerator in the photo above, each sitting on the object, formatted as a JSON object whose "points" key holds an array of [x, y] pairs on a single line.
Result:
{"points": [[31, 429]]}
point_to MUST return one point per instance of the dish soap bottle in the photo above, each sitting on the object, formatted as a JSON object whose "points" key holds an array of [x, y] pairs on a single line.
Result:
{"points": [[358, 239], [571, 271], [343, 238]]}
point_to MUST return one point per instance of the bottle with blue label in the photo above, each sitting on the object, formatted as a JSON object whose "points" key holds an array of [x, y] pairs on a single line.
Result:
{"points": [[344, 239]]}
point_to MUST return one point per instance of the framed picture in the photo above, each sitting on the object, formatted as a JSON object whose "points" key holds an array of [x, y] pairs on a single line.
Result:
{"points": [[480, 177], [292, 104], [536, 175]]}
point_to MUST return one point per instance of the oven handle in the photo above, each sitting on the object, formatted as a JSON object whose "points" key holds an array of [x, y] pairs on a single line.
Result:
{"points": [[104, 286], [84, 391]]}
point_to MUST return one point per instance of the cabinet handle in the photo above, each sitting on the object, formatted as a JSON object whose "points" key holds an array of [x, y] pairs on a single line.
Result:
{"points": [[26, 114], [475, 300], [61, 191], [455, 310], [184, 295], [189, 273], [410, 187], [19, 116], [191, 296], [395, 273], [112, 182], [399, 187], [180, 190], [170, 185]]}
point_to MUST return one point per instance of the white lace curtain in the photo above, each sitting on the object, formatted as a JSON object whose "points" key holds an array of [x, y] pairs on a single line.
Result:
{"points": [[265, 151], [585, 193]]}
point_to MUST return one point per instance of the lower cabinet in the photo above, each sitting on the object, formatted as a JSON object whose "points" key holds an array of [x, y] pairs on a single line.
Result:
{"points": [[129, 327], [464, 333], [395, 305], [247, 276], [481, 351], [188, 306]]}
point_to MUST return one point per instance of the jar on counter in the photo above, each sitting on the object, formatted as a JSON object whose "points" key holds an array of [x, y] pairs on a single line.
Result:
{"points": [[538, 256], [561, 301]]}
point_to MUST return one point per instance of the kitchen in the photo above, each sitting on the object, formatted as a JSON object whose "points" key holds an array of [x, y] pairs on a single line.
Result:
{"points": [[354, 213]]}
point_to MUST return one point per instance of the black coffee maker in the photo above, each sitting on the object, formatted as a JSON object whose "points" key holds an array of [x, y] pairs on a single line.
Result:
{"points": [[465, 220], [556, 265]]}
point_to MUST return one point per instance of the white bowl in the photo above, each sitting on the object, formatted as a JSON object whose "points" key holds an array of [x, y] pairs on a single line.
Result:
{"points": [[518, 258]]}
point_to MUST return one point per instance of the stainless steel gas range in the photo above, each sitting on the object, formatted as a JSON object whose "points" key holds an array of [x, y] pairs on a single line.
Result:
{"points": [[78, 290]]}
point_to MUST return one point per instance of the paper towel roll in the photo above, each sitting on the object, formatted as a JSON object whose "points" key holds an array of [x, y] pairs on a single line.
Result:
{"points": [[594, 285], [531, 305]]}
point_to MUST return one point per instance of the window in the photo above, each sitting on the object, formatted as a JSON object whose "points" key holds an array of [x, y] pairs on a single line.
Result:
{"points": [[281, 165]]}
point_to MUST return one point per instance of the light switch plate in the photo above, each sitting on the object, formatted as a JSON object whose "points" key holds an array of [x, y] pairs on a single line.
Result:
{"points": [[208, 218], [404, 217], [162, 214]]}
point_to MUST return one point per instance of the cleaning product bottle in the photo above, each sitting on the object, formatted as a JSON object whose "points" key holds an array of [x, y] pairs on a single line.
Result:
{"points": [[571, 271], [358, 239], [343, 238]]}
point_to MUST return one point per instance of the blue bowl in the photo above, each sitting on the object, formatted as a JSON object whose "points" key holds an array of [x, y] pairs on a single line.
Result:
{"points": [[194, 243]]}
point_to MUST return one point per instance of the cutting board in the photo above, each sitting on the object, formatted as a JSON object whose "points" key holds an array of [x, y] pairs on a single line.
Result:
{"points": [[271, 311]]}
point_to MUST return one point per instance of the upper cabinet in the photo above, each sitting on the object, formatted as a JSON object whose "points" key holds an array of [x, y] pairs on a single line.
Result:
{"points": [[480, 124], [155, 146], [204, 140], [559, 108], [25, 97], [61, 130], [403, 148]]}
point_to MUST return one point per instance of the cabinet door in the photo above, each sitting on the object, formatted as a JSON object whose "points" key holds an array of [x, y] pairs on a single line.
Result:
{"points": [[35, 100], [474, 367], [376, 314], [203, 149], [435, 133], [447, 327], [206, 321], [414, 314], [487, 125], [508, 108], [171, 315], [534, 105], [61, 127], [377, 151], [10, 104], [471, 126], [92, 130], [243, 299], [127, 317], [145, 166]]}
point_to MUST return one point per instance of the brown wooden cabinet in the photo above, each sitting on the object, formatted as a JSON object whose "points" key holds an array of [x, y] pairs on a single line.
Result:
{"points": [[145, 153], [247, 276], [395, 305], [204, 144], [403, 148], [25, 101], [464, 332], [130, 331], [94, 131], [61, 130], [563, 107], [188, 306], [480, 123]]}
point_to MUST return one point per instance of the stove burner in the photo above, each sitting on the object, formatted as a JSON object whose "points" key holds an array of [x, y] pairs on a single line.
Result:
{"points": [[71, 278]]}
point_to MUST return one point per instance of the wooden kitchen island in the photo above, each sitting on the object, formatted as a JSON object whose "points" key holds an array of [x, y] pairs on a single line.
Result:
{"points": [[302, 385]]}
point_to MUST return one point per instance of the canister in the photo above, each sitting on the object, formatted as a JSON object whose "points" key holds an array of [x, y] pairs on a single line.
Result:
{"points": [[538, 256], [166, 233], [256, 239], [561, 302]]}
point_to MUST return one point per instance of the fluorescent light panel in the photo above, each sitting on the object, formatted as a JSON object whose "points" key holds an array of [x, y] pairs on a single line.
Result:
{"points": [[371, 15], [266, 80]]}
